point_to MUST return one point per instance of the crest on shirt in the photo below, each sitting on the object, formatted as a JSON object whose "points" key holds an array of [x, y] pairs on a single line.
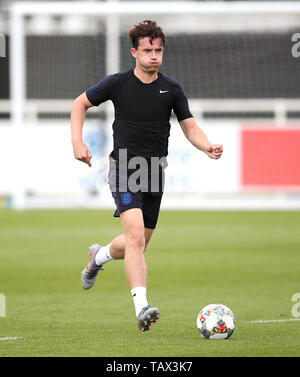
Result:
{"points": [[126, 198]]}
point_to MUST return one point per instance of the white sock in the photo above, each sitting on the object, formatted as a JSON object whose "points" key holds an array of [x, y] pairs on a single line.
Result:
{"points": [[103, 255], [139, 298]]}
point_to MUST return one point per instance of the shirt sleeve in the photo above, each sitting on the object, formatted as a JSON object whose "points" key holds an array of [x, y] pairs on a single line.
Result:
{"points": [[101, 92], [181, 106]]}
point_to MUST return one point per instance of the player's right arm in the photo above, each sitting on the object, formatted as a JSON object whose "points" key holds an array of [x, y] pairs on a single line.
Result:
{"points": [[79, 108], [93, 96]]}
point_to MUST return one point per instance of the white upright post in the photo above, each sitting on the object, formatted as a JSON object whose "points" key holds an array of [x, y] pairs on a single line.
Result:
{"points": [[112, 40], [17, 67], [17, 92], [112, 60]]}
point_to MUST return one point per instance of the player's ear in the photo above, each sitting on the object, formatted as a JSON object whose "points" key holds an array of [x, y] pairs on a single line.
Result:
{"points": [[133, 52]]}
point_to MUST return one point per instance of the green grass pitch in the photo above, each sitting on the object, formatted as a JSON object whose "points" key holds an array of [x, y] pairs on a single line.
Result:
{"points": [[249, 261]]}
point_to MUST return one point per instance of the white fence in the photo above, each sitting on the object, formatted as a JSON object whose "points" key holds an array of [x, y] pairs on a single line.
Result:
{"points": [[36, 161]]}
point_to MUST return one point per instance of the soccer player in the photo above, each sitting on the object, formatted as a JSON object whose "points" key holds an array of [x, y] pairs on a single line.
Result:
{"points": [[143, 99]]}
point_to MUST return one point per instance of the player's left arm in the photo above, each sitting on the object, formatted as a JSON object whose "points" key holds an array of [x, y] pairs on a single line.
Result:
{"points": [[198, 138]]}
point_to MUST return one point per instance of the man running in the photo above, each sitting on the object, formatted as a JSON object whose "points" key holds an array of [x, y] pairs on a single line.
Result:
{"points": [[143, 99]]}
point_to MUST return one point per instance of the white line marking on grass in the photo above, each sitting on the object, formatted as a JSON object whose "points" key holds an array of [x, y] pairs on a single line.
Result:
{"points": [[275, 320], [11, 338]]}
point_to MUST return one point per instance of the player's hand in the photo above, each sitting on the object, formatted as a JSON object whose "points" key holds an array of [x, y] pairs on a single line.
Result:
{"points": [[82, 153], [215, 151]]}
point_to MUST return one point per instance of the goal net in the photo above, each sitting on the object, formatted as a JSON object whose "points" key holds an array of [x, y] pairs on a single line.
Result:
{"points": [[238, 63]]}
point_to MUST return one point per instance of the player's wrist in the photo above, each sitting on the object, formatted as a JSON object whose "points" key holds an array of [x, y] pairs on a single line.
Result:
{"points": [[76, 140], [207, 148]]}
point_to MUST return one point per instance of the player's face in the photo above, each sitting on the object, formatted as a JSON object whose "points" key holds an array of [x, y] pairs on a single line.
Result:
{"points": [[148, 56]]}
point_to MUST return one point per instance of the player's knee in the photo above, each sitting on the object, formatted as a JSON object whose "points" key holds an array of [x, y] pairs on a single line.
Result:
{"points": [[137, 238]]}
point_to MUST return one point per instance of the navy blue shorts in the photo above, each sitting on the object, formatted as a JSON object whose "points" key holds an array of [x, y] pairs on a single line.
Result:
{"points": [[147, 199]]}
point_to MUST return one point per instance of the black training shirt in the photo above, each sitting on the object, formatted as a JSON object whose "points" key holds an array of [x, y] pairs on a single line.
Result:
{"points": [[142, 111]]}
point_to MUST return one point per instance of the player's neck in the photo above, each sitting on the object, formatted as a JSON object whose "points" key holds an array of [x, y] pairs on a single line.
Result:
{"points": [[145, 77]]}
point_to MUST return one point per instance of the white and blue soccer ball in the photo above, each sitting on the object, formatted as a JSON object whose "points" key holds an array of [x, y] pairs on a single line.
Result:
{"points": [[216, 321]]}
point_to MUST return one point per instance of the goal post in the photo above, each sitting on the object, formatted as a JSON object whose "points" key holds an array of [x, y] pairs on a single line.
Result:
{"points": [[234, 59]]}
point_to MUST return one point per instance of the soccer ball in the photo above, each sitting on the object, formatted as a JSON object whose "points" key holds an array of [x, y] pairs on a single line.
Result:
{"points": [[216, 321]]}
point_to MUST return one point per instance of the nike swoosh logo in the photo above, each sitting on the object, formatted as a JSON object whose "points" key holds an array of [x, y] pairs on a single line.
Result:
{"points": [[163, 91]]}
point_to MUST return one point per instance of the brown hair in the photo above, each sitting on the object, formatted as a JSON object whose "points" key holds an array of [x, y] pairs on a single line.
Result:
{"points": [[144, 29]]}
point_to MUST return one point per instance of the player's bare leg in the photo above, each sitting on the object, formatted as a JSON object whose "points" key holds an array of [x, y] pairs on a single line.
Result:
{"points": [[135, 266], [99, 255], [134, 260], [117, 245]]}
